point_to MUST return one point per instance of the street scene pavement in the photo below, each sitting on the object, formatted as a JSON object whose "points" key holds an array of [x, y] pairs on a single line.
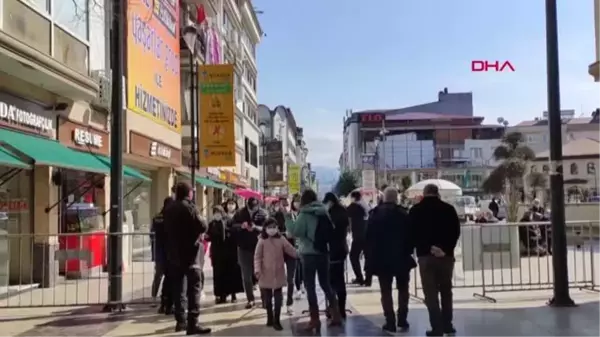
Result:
{"points": [[518, 313]]}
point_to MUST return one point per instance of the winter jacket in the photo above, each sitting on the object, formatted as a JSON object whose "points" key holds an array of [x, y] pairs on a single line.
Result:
{"points": [[158, 239], [245, 239], [269, 261], [305, 226], [434, 223], [338, 247], [183, 227]]}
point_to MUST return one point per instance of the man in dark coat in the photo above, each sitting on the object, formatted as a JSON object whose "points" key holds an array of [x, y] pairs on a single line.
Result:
{"points": [[158, 239], [388, 255], [246, 225], [185, 255], [436, 230], [358, 215]]}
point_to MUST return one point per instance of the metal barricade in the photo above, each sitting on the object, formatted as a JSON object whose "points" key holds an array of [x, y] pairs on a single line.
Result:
{"points": [[503, 257], [47, 270]]}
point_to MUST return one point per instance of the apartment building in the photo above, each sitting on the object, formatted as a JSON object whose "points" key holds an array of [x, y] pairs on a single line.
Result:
{"points": [[279, 126], [234, 24], [422, 145]]}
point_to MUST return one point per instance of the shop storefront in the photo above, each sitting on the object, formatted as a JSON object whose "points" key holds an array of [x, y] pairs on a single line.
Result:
{"points": [[158, 161], [30, 192]]}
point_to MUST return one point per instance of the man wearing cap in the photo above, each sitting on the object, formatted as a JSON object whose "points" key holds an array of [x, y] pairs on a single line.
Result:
{"points": [[185, 255]]}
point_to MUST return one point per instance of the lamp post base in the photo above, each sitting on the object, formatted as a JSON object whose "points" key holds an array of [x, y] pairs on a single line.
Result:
{"points": [[560, 302]]}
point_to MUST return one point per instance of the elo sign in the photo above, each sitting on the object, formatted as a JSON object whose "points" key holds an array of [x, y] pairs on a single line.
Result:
{"points": [[372, 117]]}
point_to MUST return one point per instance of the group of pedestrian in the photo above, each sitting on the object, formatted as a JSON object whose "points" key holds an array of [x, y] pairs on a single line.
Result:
{"points": [[295, 244], [395, 235]]}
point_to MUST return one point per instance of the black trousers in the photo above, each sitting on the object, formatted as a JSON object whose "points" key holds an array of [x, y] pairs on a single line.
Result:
{"points": [[387, 301], [436, 279], [186, 285], [273, 309], [358, 247], [337, 275], [298, 279], [166, 294], [290, 273]]}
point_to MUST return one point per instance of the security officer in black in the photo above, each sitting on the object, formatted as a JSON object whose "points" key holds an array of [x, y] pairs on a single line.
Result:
{"points": [[185, 256]]}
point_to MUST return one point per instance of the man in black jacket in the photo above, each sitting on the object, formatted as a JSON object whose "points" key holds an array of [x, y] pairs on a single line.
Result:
{"points": [[388, 255], [357, 214], [436, 230], [158, 240], [246, 224], [185, 255]]}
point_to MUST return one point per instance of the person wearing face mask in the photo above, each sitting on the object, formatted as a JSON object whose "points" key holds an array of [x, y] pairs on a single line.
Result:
{"points": [[290, 217], [269, 266], [246, 225], [231, 207], [227, 276]]}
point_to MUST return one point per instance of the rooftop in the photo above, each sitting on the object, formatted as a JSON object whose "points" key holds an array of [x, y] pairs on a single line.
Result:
{"points": [[565, 121], [576, 148]]}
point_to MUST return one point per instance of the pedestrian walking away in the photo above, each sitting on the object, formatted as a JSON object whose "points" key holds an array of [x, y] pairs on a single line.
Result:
{"points": [[388, 255], [338, 249], [245, 225], [290, 218], [185, 257], [358, 214], [280, 213], [313, 230], [158, 241], [227, 276], [436, 230], [269, 266]]}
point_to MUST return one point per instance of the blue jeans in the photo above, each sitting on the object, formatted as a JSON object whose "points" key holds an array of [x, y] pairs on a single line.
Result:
{"points": [[317, 265]]}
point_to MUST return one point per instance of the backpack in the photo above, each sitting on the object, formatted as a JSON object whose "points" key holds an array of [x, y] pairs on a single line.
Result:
{"points": [[323, 233]]}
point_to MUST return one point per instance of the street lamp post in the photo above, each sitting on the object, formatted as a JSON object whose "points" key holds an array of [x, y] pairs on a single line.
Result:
{"points": [[376, 141], [561, 297], [115, 243], [263, 150], [190, 36]]}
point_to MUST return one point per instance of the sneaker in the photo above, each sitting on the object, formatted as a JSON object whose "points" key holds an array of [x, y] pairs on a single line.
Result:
{"points": [[403, 326], [277, 326], [289, 311], [450, 331]]}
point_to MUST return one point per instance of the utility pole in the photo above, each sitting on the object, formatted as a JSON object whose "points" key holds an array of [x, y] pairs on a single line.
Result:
{"points": [[115, 243], [561, 297]]}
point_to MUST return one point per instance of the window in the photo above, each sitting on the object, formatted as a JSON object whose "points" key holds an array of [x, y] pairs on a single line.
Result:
{"points": [[574, 169], [591, 168], [246, 149], [72, 15], [238, 129], [62, 32], [533, 169], [476, 152], [253, 155], [545, 168]]}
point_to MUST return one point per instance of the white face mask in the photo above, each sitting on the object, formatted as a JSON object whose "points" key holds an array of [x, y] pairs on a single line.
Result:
{"points": [[272, 231], [218, 216]]}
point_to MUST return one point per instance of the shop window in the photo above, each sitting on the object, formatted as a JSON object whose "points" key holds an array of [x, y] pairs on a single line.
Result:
{"points": [[83, 202], [15, 218], [138, 213]]}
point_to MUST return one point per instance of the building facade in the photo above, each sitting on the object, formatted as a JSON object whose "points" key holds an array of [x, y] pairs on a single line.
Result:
{"points": [[279, 124], [421, 145], [235, 27], [537, 134]]}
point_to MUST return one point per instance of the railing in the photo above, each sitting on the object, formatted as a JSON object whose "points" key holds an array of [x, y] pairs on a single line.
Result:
{"points": [[38, 270], [503, 257]]}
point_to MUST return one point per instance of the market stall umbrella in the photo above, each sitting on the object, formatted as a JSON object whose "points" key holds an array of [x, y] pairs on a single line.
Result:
{"points": [[247, 193], [447, 189]]}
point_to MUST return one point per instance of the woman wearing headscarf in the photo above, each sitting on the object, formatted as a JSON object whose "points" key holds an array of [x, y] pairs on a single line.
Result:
{"points": [[227, 277], [338, 248]]}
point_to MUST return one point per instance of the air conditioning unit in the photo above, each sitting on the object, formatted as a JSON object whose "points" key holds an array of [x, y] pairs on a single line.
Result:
{"points": [[104, 80]]}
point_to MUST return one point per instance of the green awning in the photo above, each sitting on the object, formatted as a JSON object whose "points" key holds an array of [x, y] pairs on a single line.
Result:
{"points": [[7, 158], [207, 182], [128, 172], [50, 152]]}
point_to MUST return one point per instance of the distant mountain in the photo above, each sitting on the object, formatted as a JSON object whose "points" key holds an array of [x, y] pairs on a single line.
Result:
{"points": [[327, 176]]}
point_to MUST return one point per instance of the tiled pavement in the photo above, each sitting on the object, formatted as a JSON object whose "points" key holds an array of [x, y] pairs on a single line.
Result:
{"points": [[513, 315]]}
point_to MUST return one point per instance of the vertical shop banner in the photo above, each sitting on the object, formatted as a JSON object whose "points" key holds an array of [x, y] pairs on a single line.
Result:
{"points": [[274, 161], [294, 177], [153, 85], [217, 116]]}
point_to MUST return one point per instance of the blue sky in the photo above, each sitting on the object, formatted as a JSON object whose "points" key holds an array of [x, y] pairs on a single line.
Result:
{"points": [[321, 57]]}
